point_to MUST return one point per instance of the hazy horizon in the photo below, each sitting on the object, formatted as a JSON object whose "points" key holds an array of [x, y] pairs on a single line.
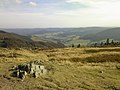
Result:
{"points": [[59, 13], [56, 27]]}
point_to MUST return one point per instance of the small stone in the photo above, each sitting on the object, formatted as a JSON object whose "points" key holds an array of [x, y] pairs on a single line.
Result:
{"points": [[18, 74], [25, 73], [44, 71], [42, 67], [36, 75], [101, 71]]}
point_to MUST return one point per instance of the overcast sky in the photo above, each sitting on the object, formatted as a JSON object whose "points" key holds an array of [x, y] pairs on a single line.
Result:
{"points": [[59, 13]]}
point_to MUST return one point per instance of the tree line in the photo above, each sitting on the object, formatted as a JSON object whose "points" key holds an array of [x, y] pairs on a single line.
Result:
{"points": [[107, 43]]}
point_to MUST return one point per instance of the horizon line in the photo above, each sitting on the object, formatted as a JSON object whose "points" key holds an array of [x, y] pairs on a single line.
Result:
{"points": [[61, 27]]}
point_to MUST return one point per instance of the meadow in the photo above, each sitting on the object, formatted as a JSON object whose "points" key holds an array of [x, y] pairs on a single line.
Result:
{"points": [[70, 68]]}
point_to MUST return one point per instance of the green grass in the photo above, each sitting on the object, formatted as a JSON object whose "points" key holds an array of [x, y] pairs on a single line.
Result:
{"points": [[67, 40]]}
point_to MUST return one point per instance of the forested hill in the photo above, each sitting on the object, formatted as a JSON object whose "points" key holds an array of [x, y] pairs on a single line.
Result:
{"points": [[14, 40], [113, 33]]}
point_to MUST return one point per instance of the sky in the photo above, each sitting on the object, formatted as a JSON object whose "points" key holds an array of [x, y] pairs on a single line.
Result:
{"points": [[59, 13]]}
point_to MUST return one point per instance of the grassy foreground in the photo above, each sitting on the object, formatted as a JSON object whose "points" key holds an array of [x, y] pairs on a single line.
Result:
{"points": [[70, 69]]}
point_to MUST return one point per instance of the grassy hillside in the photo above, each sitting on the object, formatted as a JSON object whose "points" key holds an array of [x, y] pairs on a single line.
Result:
{"points": [[71, 69], [66, 40]]}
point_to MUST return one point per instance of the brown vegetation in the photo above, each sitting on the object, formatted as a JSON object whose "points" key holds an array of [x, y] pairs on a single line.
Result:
{"points": [[71, 68]]}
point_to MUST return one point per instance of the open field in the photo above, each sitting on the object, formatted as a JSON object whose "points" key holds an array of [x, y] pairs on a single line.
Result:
{"points": [[67, 40], [71, 69]]}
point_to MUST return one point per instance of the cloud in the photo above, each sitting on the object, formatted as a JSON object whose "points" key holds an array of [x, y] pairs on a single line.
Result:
{"points": [[89, 1], [99, 7], [32, 3], [77, 1], [18, 1], [35, 20], [94, 3], [100, 12], [62, 13]]}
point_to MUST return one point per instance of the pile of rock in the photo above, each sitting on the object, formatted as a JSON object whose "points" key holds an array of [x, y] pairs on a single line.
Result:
{"points": [[37, 70], [30, 68]]}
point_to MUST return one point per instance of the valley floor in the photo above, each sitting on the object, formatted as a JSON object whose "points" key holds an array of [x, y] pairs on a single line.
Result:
{"points": [[70, 69]]}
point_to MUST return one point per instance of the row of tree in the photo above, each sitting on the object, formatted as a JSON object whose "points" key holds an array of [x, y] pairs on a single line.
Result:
{"points": [[107, 43], [76, 46]]}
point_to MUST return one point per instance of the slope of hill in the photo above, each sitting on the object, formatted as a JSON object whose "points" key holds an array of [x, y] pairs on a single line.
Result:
{"points": [[67, 36], [113, 33], [15, 40], [70, 69]]}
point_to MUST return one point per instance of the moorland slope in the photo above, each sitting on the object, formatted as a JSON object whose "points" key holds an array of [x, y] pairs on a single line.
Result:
{"points": [[71, 69]]}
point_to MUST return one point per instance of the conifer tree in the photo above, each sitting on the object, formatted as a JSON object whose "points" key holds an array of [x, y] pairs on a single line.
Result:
{"points": [[78, 45], [107, 42]]}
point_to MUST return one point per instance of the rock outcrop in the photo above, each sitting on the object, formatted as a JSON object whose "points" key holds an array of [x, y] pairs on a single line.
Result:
{"points": [[35, 70]]}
